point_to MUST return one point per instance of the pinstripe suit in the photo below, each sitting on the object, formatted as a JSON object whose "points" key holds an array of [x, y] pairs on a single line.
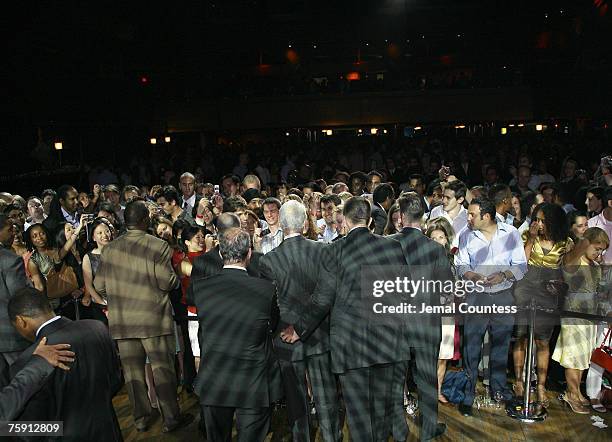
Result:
{"points": [[238, 371], [427, 260], [364, 352], [12, 278], [294, 267]]}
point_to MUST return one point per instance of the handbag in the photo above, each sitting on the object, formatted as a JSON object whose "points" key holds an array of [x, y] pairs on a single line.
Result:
{"points": [[602, 355], [61, 282], [454, 385]]}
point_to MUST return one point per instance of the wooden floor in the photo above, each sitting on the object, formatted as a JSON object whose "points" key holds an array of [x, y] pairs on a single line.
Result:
{"points": [[486, 425]]}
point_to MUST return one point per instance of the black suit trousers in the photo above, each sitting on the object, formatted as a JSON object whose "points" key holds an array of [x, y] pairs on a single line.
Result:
{"points": [[252, 424], [426, 379], [368, 399]]}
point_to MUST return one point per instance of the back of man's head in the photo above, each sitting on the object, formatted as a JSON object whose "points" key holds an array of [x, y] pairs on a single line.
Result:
{"points": [[136, 215], [234, 203], [234, 245], [357, 210], [292, 217], [411, 207], [227, 221], [382, 192], [28, 302], [251, 182], [498, 193]]}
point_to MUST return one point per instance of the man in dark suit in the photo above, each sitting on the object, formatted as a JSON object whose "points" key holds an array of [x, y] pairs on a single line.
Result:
{"points": [[294, 267], [12, 278], [189, 199], [364, 348], [211, 262], [427, 261], [383, 196], [238, 371], [81, 397], [32, 376]]}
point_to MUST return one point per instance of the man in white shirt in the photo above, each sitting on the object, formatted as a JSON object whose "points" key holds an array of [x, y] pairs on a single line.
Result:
{"points": [[491, 255], [267, 243], [326, 226], [452, 207]]}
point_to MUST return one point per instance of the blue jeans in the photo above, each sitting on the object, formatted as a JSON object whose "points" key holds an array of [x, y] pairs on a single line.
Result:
{"points": [[500, 331]]}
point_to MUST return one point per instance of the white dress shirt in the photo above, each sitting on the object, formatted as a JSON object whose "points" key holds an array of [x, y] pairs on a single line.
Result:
{"points": [[328, 234], [44, 324], [504, 252]]}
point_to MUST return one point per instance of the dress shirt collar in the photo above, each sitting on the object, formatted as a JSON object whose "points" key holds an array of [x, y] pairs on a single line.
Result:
{"points": [[292, 235], [356, 227], [235, 267], [70, 218], [44, 324], [190, 200]]}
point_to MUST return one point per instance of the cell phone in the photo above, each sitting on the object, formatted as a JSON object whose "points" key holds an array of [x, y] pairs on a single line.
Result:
{"points": [[264, 233], [216, 189]]}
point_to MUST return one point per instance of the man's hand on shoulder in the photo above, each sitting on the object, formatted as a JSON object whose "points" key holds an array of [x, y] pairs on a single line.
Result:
{"points": [[56, 354]]}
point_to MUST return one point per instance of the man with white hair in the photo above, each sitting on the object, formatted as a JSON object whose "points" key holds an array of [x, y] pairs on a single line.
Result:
{"points": [[294, 267]]}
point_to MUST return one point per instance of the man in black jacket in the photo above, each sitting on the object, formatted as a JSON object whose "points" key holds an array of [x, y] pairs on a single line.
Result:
{"points": [[383, 197], [428, 262], [294, 267], [81, 397], [364, 348], [211, 262], [238, 371], [32, 376], [12, 278]]}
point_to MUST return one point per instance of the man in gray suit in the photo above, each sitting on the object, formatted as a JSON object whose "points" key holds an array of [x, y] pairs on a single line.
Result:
{"points": [[427, 261], [12, 278]]}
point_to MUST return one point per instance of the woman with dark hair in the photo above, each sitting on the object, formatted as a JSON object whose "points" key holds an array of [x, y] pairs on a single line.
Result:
{"points": [[102, 232], [45, 255], [527, 203], [546, 243], [577, 222], [441, 231], [394, 223], [193, 241]]}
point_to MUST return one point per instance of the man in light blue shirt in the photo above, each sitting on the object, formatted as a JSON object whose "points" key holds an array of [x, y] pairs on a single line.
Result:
{"points": [[491, 255]]}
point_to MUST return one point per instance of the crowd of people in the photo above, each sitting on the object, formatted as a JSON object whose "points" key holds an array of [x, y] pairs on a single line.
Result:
{"points": [[250, 291]]}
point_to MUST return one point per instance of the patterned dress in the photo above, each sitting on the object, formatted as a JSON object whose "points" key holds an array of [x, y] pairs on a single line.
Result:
{"points": [[578, 337]]}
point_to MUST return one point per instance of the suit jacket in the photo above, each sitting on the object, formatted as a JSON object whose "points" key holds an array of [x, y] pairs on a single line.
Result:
{"points": [[210, 264], [12, 278], [136, 275], [81, 397], [294, 266], [24, 385], [237, 313], [428, 261], [358, 339], [380, 218]]}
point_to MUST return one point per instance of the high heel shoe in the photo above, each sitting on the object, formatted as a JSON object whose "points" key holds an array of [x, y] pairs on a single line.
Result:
{"points": [[576, 406], [542, 396]]}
